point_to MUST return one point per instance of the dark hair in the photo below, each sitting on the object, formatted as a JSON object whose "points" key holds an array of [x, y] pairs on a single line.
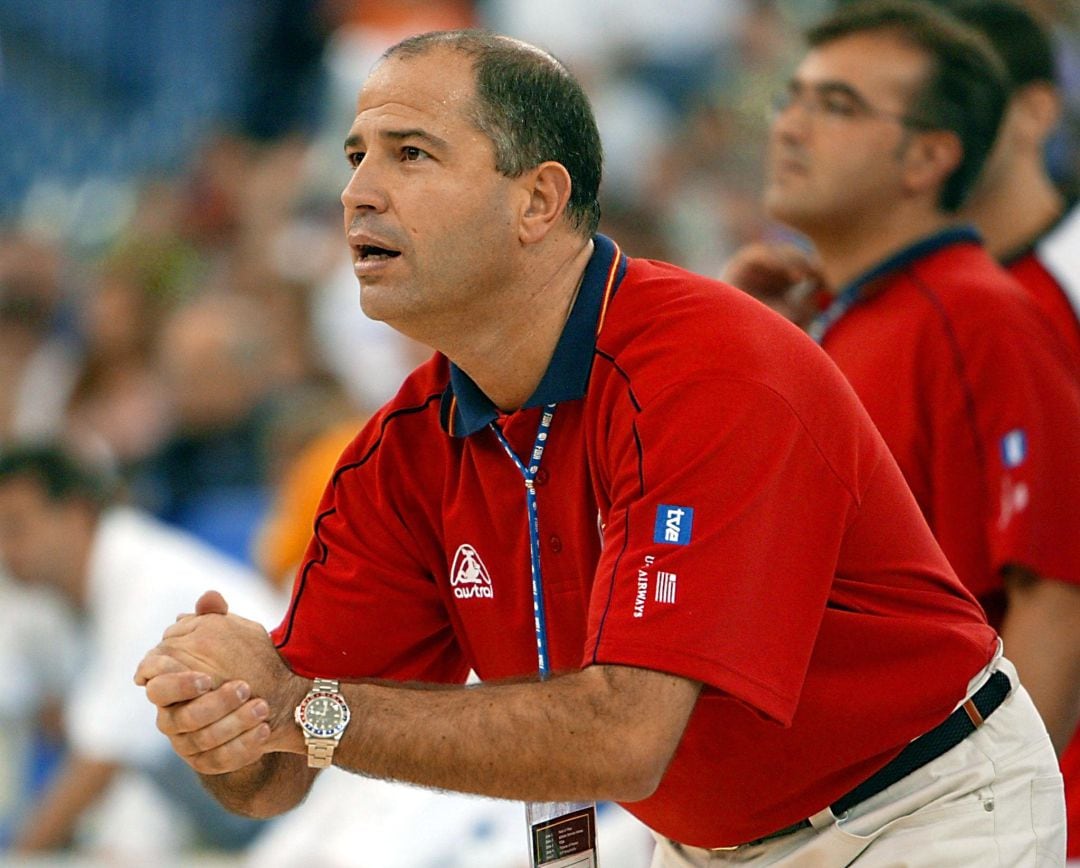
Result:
{"points": [[531, 108], [965, 91], [60, 475], [1021, 39]]}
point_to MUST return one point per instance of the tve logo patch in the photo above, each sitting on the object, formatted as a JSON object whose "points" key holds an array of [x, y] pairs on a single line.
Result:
{"points": [[673, 524]]}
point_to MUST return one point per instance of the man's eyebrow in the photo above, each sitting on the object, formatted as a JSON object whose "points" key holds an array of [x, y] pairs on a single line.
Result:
{"points": [[827, 86], [841, 87], [415, 134]]}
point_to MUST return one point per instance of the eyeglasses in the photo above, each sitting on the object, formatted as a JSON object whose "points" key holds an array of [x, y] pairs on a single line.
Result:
{"points": [[839, 102]]}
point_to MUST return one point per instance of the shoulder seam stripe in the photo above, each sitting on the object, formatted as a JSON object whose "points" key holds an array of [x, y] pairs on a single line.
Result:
{"points": [[629, 387], [611, 589], [324, 549], [970, 406]]}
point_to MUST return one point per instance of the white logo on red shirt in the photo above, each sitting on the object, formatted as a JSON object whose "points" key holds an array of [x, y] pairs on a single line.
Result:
{"points": [[665, 587], [468, 576], [642, 586], [1015, 498]]}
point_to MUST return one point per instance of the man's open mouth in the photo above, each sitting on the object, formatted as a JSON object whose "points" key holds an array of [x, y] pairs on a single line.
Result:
{"points": [[370, 252]]}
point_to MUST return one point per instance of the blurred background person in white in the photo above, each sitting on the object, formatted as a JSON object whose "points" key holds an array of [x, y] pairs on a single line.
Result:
{"points": [[121, 571]]}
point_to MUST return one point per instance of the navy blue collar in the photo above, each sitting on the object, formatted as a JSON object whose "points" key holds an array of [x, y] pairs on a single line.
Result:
{"points": [[914, 252], [466, 409]]}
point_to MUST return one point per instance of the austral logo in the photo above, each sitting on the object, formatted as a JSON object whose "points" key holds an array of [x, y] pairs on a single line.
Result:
{"points": [[673, 524], [468, 576]]}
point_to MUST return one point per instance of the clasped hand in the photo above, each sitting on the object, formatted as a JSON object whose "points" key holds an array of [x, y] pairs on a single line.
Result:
{"points": [[224, 696]]}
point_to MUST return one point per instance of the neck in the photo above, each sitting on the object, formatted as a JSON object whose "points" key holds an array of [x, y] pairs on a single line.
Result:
{"points": [[512, 340], [845, 255], [1017, 210]]}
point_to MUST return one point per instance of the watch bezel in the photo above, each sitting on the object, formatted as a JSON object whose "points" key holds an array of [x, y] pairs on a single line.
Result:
{"points": [[322, 732]]}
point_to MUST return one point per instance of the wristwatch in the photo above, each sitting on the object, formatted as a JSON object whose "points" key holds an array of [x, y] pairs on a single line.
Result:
{"points": [[322, 715]]}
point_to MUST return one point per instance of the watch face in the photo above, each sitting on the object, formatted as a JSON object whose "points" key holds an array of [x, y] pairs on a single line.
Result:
{"points": [[324, 714]]}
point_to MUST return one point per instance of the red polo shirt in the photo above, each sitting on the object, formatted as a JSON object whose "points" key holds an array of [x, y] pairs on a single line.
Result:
{"points": [[977, 400], [1049, 270], [713, 502]]}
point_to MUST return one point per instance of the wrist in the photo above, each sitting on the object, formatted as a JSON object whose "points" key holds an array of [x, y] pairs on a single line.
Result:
{"points": [[285, 736]]}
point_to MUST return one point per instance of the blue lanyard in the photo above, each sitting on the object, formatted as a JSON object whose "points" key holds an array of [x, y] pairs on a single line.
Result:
{"points": [[853, 293], [529, 474], [845, 301]]}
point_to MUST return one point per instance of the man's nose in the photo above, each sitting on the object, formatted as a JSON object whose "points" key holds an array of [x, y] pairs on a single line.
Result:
{"points": [[364, 190]]}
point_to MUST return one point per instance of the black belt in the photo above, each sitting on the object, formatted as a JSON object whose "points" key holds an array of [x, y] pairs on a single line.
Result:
{"points": [[926, 748]]}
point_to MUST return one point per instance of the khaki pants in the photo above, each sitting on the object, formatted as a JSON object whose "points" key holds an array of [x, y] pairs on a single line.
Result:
{"points": [[996, 800]]}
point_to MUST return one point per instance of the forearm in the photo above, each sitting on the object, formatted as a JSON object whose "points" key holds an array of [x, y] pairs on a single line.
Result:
{"points": [[276, 783], [1041, 639], [607, 732]]}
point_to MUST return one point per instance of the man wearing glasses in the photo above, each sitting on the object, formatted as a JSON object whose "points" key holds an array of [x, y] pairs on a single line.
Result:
{"points": [[875, 145]]}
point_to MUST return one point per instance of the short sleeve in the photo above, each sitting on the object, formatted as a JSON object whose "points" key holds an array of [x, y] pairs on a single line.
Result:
{"points": [[365, 603], [1026, 401], [722, 541]]}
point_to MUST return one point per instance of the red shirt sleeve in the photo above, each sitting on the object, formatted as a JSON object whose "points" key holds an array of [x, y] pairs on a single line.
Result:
{"points": [[1026, 401], [733, 512], [370, 566]]}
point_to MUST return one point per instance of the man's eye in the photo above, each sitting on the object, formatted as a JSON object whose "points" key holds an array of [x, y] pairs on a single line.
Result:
{"points": [[411, 154], [355, 158], [838, 105]]}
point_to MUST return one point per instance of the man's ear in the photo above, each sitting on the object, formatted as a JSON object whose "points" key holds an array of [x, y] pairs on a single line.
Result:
{"points": [[1037, 107], [547, 189], [930, 158]]}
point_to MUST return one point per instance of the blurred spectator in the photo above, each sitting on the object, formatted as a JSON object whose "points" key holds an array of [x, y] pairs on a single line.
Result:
{"points": [[210, 476], [33, 682], [124, 574], [310, 427], [38, 361], [117, 408]]}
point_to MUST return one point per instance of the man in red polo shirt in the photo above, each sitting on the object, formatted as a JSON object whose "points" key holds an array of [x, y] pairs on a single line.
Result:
{"points": [[974, 392], [1029, 227], [742, 627]]}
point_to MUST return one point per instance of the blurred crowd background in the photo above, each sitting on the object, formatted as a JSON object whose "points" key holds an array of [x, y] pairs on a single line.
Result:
{"points": [[176, 299]]}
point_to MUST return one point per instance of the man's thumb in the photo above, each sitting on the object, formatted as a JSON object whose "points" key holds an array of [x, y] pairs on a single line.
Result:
{"points": [[211, 603]]}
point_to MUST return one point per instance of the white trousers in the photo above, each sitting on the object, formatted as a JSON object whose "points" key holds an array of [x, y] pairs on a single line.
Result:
{"points": [[996, 800]]}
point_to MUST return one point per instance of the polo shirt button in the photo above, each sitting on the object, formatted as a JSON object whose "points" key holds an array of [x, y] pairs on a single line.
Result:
{"points": [[541, 476], [555, 543]]}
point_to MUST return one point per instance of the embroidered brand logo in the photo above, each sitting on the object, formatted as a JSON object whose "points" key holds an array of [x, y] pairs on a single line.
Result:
{"points": [[1014, 448], [665, 587], [468, 576], [673, 524]]}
